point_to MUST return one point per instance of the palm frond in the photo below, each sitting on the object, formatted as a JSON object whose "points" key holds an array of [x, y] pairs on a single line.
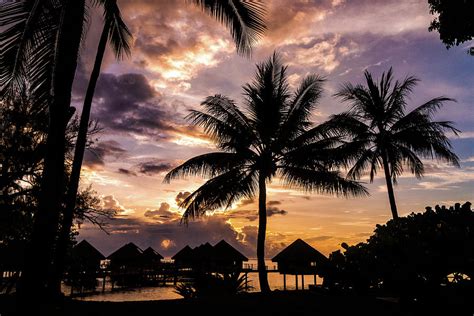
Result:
{"points": [[120, 36], [207, 165], [220, 192], [28, 49], [321, 181], [304, 101], [244, 19]]}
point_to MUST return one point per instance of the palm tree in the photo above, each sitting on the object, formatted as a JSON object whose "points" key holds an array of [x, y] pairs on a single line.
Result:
{"points": [[271, 135], [41, 40], [388, 137], [117, 33], [245, 21]]}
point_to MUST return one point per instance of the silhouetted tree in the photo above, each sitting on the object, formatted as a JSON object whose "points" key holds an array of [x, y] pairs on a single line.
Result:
{"points": [[455, 21], [116, 32], [42, 40], [416, 255], [387, 136], [272, 135]]}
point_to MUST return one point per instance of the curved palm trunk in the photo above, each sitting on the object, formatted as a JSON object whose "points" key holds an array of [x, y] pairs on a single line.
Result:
{"points": [[68, 216], [40, 251], [388, 180], [262, 228]]}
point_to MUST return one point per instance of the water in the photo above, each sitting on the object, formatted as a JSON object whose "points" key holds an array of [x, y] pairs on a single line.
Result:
{"points": [[168, 292]]}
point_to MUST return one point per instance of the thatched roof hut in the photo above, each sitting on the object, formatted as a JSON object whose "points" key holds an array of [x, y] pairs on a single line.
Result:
{"points": [[227, 257], [184, 257], [129, 255], [85, 256], [151, 257], [299, 258], [221, 257]]}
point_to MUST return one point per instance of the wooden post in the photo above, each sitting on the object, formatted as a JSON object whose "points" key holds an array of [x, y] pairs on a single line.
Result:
{"points": [[246, 281], [103, 283], [284, 281], [315, 283], [302, 281], [296, 281]]}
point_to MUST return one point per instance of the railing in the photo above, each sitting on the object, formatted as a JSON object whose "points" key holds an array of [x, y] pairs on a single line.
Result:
{"points": [[254, 267]]}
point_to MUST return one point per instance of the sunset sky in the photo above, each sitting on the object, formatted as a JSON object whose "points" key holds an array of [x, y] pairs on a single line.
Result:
{"points": [[180, 55]]}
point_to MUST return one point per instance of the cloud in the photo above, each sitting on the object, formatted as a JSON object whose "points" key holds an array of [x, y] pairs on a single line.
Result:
{"points": [[181, 197], [126, 172], [154, 167], [252, 215], [109, 202], [163, 214], [95, 156]]}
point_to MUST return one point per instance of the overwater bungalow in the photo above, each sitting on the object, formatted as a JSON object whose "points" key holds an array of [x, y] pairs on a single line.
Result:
{"points": [[299, 258], [126, 266], [83, 267], [151, 258], [219, 258], [126, 257], [85, 257], [227, 258], [184, 258]]}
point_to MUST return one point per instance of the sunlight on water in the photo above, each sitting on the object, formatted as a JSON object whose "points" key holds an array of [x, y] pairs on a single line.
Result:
{"points": [[168, 292]]}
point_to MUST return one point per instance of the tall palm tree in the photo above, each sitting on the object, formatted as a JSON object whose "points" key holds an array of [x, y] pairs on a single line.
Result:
{"points": [[245, 20], [42, 43], [41, 40], [270, 136], [117, 33], [388, 137]]}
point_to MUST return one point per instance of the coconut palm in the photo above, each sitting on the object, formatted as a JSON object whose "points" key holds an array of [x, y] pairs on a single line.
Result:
{"points": [[31, 55], [245, 21], [270, 136], [388, 137], [116, 32]]}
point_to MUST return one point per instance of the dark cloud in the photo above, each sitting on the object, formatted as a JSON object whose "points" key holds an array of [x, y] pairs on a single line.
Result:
{"points": [[275, 211], [181, 197], [95, 156], [129, 104], [273, 203], [126, 172], [154, 167], [245, 202], [252, 215]]}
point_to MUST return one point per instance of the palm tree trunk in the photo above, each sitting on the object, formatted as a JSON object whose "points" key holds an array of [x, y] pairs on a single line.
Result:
{"points": [[40, 251], [391, 195], [68, 216], [262, 228]]}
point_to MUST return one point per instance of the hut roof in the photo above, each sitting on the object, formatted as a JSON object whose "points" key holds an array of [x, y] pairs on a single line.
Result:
{"points": [[184, 254], [150, 254], [224, 251], [205, 252], [299, 251], [126, 253], [84, 250]]}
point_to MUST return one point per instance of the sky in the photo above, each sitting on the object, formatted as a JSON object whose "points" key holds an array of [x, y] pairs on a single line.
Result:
{"points": [[180, 56]]}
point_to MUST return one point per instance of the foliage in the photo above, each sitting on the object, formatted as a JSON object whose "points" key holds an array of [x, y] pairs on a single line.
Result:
{"points": [[271, 135], [416, 255], [212, 285], [22, 149], [455, 21], [387, 137]]}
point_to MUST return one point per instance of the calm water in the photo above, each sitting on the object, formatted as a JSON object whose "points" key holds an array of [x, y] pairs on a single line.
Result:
{"points": [[167, 292]]}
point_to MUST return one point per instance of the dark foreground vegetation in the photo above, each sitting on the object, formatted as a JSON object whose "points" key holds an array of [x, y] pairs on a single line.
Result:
{"points": [[276, 303]]}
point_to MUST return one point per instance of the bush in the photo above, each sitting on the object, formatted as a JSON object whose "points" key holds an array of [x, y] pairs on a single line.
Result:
{"points": [[420, 254]]}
